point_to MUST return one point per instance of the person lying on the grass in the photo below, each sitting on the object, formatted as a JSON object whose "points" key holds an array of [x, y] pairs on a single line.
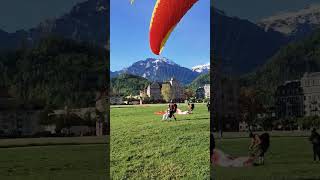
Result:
{"points": [[315, 140], [219, 158], [258, 147]]}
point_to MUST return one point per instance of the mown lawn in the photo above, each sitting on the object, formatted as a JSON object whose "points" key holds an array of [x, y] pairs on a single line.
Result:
{"points": [[289, 158], [53, 158], [144, 147]]}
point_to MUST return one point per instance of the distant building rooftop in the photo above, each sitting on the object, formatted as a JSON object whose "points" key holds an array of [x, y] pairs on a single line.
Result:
{"points": [[311, 74]]}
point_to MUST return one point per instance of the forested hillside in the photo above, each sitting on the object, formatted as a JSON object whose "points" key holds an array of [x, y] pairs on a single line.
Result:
{"points": [[290, 63], [55, 72], [127, 84], [200, 81]]}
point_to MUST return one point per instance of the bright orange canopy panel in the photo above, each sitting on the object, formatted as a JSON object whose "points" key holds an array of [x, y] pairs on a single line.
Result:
{"points": [[166, 15]]}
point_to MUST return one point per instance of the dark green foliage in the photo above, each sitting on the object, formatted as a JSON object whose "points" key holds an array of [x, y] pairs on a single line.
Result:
{"points": [[290, 63], [57, 72], [127, 84], [200, 81], [309, 122]]}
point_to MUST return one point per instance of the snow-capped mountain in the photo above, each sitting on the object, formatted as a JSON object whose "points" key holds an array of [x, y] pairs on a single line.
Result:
{"points": [[205, 68], [161, 69], [87, 21], [295, 24]]}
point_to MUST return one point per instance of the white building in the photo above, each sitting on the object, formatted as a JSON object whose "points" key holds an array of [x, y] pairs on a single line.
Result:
{"points": [[310, 83], [207, 90]]}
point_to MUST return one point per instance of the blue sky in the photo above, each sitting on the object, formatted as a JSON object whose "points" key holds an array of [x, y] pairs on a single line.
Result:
{"points": [[188, 45], [26, 14], [255, 10]]}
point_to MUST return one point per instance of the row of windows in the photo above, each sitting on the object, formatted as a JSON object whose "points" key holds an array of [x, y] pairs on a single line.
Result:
{"points": [[290, 91], [311, 82]]}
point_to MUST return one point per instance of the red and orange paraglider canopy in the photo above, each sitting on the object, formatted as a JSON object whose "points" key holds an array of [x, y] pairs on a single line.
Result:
{"points": [[166, 15]]}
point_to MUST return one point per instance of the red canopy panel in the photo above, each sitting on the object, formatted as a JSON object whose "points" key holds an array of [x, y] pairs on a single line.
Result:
{"points": [[166, 15]]}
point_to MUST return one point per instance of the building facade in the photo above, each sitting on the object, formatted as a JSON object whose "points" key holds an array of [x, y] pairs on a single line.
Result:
{"points": [[200, 93], [177, 91], [289, 100], [157, 91], [310, 83], [207, 90], [154, 91]]}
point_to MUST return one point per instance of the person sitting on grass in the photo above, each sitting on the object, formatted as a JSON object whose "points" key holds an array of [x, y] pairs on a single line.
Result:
{"points": [[190, 108], [173, 109], [315, 140], [259, 146], [166, 115], [254, 148]]}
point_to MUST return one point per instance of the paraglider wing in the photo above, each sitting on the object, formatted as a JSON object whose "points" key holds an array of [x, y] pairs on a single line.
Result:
{"points": [[166, 15]]}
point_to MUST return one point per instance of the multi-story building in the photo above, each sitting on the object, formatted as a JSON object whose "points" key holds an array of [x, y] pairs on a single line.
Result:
{"points": [[154, 90], [310, 83], [289, 100], [200, 93], [177, 92], [207, 90]]}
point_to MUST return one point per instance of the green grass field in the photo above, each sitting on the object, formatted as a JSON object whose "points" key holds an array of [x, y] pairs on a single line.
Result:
{"points": [[144, 147], [289, 158], [81, 158]]}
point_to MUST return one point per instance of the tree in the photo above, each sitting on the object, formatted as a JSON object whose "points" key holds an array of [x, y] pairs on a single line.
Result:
{"points": [[189, 93], [166, 92], [128, 84], [250, 106], [56, 71]]}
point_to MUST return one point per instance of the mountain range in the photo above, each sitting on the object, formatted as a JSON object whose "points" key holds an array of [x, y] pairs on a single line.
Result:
{"points": [[86, 22], [240, 45], [205, 68], [60, 62], [162, 69], [294, 24]]}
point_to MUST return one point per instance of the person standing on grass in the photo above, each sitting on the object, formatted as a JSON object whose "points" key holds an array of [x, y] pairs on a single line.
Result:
{"points": [[315, 140], [208, 106]]}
